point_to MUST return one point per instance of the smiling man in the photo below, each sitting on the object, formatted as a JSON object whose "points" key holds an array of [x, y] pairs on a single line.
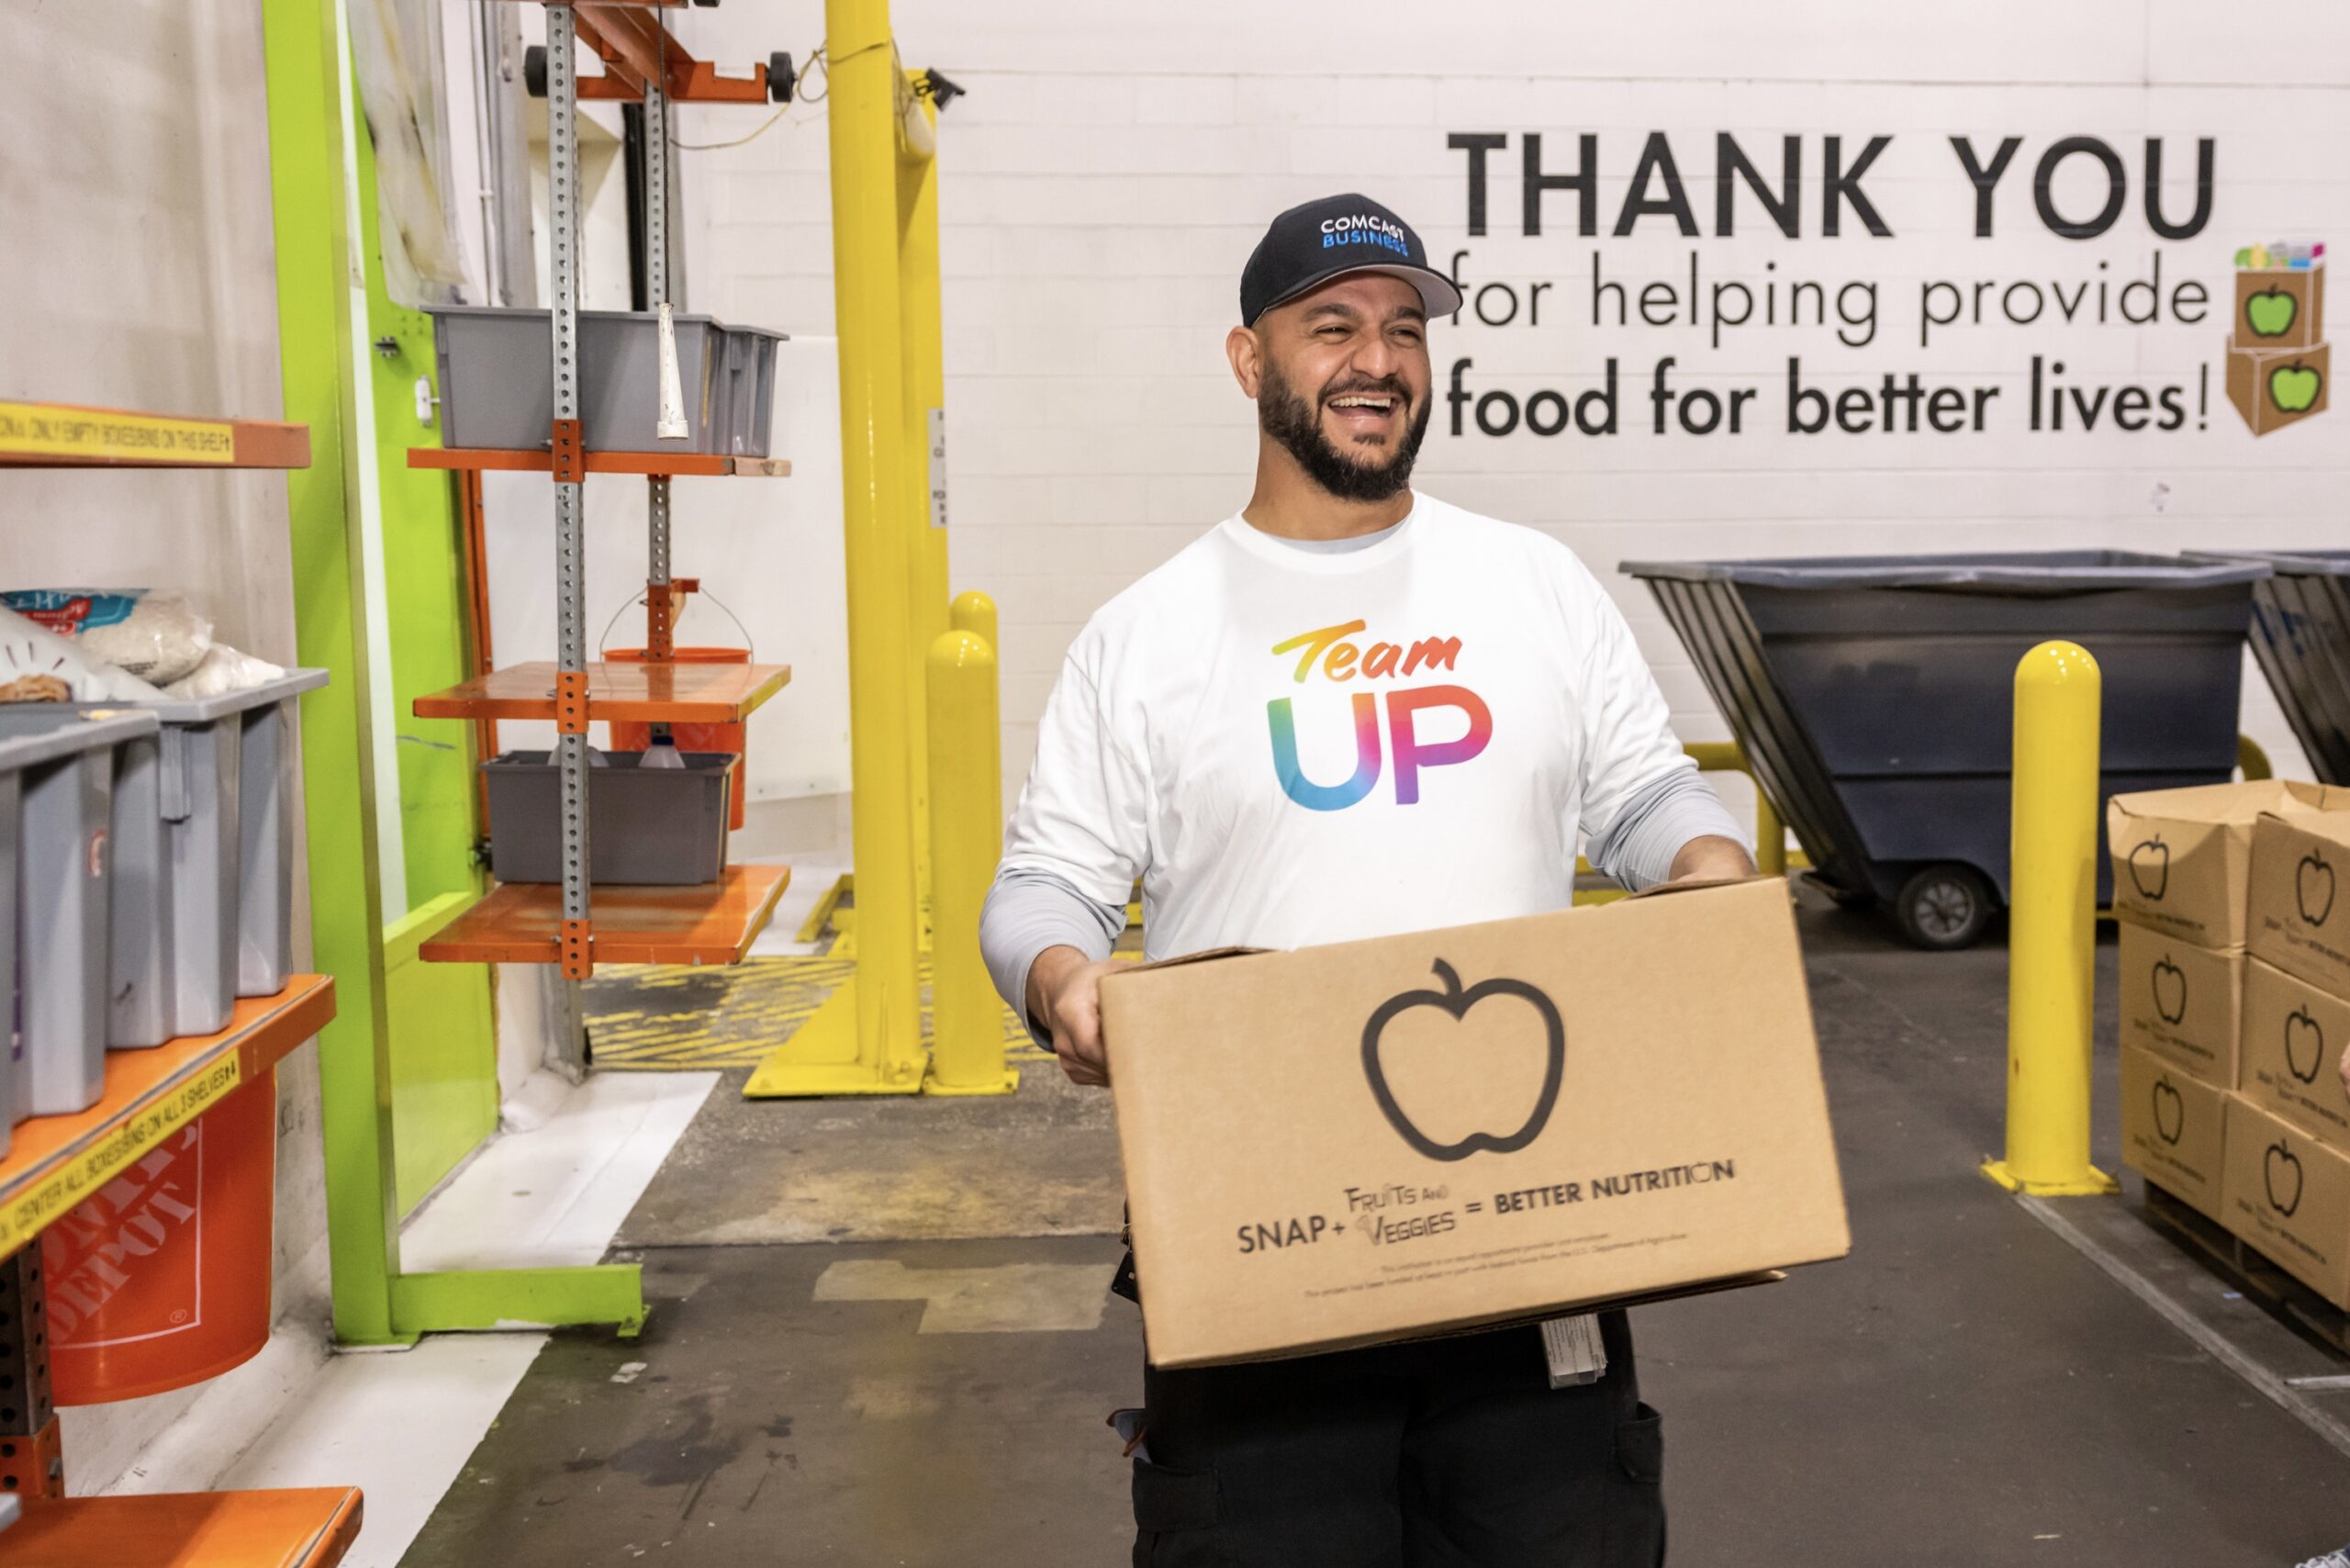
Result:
{"points": [[1350, 711]]}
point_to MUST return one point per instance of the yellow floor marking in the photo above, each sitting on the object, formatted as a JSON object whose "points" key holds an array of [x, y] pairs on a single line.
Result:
{"points": [[659, 1019]]}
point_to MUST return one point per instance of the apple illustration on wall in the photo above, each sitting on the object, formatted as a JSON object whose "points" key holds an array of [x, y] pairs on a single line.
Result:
{"points": [[1456, 1001], [2294, 387], [2313, 887], [2302, 1034], [2170, 990], [2270, 312], [2150, 868], [2282, 1174]]}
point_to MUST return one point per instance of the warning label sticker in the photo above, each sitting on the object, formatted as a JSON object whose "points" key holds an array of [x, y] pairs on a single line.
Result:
{"points": [[32, 1207], [35, 430]]}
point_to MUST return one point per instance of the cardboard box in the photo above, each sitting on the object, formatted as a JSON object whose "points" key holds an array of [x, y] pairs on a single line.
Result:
{"points": [[2287, 1195], [2280, 308], [1415, 1135], [2293, 1035], [2273, 387], [2296, 902], [2174, 1129], [2181, 857], [2183, 1003]]}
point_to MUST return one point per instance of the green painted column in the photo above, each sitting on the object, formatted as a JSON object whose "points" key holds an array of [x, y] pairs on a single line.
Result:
{"points": [[308, 207]]}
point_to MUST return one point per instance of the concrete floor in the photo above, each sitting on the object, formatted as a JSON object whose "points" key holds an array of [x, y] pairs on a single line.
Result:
{"points": [[840, 1368]]}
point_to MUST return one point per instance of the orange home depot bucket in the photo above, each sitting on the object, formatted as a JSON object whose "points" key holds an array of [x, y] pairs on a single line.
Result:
{"points": [[161, 1278], [690, 737]]}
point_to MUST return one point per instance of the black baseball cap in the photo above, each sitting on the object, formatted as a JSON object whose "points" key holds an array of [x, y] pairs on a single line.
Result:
{"points": [[1309, 245]]}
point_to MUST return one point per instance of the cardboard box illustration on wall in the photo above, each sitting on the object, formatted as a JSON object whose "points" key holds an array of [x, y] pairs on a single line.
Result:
{"points": [[2280, 308], [2276, 388], [2278, 363]]}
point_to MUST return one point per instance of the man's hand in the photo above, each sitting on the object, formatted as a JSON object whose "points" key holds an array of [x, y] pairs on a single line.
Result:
{"points": [[1712, 858], [2345, 1072], [1065, 996]]}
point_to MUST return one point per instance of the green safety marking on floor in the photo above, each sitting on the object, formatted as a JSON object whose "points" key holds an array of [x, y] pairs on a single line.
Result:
{"points": [[659, 1018]]}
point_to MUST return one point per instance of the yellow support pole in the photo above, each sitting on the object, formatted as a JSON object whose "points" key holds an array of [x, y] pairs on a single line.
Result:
{"points": [[923, 339], [965, 836], [1770, 833], [866, 1039], [2052, 926]]}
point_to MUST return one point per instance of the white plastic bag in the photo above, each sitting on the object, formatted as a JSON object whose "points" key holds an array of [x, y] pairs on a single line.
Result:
{"points": [[156, 636], [37, 666], [224, 670]]}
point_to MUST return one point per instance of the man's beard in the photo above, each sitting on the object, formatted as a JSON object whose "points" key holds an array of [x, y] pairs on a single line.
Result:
{"points": [[1297, 423]]}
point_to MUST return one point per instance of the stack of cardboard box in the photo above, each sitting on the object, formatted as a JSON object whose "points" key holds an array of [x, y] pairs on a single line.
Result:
{"points": [[2235, 1009], [2278, 360]]}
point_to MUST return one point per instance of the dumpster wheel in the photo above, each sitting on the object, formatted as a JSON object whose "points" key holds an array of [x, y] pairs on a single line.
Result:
{"points": [[1945, 907]]}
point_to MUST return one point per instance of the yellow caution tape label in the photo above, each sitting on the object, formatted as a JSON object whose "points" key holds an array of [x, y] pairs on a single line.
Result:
{"points": [[37, 429], [26, 1212]]}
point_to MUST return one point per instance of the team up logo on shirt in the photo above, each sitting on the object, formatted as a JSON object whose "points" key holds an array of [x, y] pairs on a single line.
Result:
{"points": [[1327, 652]]}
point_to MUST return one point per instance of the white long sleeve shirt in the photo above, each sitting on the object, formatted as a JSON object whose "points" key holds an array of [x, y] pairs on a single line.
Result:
{"points": [[1291, 747]]}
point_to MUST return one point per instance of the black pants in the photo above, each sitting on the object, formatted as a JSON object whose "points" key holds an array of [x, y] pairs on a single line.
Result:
{"points": [[1447, 1453]]}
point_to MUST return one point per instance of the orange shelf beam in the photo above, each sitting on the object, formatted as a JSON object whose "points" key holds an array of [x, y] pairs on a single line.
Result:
{"points": [[520, 923], [533, 460], [640, 693], [68, 436], [308, 1528], [53, 1162]]}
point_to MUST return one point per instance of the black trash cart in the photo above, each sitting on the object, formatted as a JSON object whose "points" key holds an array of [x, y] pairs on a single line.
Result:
{"points": [[2301, 634], [1875, 698]]}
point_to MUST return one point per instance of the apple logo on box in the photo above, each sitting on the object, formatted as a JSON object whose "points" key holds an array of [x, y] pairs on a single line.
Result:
{"points": [[2294, 387], [2150, 868], [2170, 990], [2282, 1175], [2170, 1110], [1456, 1002], [2270, 312], [2313, 887], [2302, 1032]]}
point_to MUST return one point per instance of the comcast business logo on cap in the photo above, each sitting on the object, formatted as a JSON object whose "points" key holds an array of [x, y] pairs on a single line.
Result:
{"points": [[1364, 229]]}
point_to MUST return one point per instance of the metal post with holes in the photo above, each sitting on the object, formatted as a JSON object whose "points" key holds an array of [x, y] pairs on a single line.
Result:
{"points": [[570, 474], [659, 606], [31, 1464]]}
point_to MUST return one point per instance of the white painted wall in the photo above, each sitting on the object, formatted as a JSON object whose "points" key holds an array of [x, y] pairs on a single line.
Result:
{"points": [[139, 273], [1112, 166]]}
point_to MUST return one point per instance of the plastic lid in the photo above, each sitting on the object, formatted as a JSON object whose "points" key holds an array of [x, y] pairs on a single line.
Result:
{"points": [[2286, 562], [2044, 571], [35, 733]]}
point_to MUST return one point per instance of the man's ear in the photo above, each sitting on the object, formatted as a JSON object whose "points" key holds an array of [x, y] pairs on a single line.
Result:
{"points": [[1240, 346]]}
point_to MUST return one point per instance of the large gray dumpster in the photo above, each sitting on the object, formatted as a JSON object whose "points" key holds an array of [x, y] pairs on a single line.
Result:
{"points": [[1874, 698], [2301, 634]]}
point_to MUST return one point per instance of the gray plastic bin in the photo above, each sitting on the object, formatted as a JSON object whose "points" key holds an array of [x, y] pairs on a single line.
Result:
{"points": [[649, 826], [1874, 699], [63, 762], [750, 390], [180, 927], [494, 393], [2301, 634], [266, 832]]}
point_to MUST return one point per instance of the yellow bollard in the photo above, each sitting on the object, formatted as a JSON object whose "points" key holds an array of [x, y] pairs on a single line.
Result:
{"points": [[974, 612], [966, 839], [2052, 926]]}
